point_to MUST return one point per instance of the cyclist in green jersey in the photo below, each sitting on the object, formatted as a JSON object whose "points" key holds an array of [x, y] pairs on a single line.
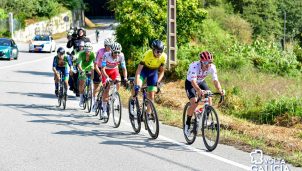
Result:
{"points": [[86, 61]]}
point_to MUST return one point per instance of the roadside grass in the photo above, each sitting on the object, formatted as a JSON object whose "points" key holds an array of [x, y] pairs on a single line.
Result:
{"points": [[240, 132]]}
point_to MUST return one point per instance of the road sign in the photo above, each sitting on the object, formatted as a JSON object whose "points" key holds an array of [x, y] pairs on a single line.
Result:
{"points": [[66, 18]]}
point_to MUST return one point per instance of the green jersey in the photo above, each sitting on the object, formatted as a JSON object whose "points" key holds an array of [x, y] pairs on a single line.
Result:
{"points": [[86, 65]]}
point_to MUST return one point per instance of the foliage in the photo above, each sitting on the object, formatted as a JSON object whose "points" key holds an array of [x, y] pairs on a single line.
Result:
{"points": [[3, 14], [143, 21], [262, 15], [234, 24]]}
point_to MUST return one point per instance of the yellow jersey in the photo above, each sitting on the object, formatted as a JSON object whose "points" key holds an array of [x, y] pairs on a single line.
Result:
{"points": [[151, 62]]}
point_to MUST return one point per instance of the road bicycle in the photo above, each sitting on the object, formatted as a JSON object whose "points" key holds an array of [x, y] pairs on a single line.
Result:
{"points": [[114, 104], [138, 113], [87, 96], [62, 92], [209, 125]]}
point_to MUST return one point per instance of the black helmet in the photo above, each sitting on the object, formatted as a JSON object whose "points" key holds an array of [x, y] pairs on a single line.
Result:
{"points": [[84, 31], [61, 50], [157, 44]]}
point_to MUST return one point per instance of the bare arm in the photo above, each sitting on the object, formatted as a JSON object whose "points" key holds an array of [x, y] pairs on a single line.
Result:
{"points": [[138, 72], [125, 73], [161, 73]]}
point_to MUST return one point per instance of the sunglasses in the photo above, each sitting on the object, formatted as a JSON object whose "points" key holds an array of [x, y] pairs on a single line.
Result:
{"points": [[116, 52], [158, 51], [206, 62]]}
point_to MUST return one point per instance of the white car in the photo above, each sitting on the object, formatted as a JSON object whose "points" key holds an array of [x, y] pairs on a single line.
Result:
{"points": [[42, 43]]}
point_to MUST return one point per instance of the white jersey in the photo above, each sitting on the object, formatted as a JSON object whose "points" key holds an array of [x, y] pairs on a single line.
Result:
{"points": [[111, 63], [195, 72]]}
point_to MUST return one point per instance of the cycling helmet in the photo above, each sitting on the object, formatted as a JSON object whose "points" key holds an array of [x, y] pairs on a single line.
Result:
{"points": [[88, 47], [116, 47], [108, 42], [61, 51], [206, 56], [158, 45]]}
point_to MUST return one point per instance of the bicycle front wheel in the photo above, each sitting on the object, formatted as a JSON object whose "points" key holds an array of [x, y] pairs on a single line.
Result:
{"points": [[189, 133], [210, 128], [151, 119], [64, 98], [116, 110], [89, 98], [134, 114]]}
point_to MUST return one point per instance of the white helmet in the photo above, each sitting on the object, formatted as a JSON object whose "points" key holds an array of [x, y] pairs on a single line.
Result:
{"points": [[88, 47], [108, 42], [116, 47]]}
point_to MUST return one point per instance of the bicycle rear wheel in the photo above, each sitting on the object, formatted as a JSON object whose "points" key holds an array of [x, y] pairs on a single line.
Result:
{"points": [[210, 128], [60, 95], [151, 119], [116, 109], [89, 98], [134, 115], [64, 98], [108, 112], [190, 136]]}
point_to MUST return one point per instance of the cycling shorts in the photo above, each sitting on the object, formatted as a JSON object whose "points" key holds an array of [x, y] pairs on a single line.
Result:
{"points": [[64, 71], [190, 89], [152, 76], [96, 78], [113, 75]]}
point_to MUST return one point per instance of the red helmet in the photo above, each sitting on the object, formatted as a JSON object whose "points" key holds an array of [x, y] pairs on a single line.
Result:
{"points": [[206, 56]]}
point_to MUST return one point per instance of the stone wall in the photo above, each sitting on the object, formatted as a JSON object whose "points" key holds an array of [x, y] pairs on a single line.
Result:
{"points": [[54, 25]]}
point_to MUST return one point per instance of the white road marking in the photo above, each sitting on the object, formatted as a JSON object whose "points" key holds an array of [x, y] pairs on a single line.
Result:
{"points": [[195, 149], [28, 62]]}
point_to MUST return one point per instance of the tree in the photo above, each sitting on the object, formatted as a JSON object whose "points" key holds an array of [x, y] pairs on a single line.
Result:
{"points": [[263, 16]]}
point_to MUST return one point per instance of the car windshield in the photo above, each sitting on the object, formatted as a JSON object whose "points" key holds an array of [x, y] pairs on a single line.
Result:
{"points": [[5, 42], [41, 38]]}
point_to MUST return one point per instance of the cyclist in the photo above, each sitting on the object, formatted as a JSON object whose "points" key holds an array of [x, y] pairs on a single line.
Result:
{"points": [[195, 84], [73, 82], [97, 33], [61, 63], [85, 64], [151, 68], [110, 71], [98, 67]]}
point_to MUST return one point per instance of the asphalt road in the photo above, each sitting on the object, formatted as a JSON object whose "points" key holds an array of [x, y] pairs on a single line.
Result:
{"points": [[36, 135]]}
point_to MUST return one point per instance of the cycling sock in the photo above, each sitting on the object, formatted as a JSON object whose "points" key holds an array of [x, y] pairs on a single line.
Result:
{"points": [[81, 97], [57, 86], [104, 104], [93, 99], [188, 122]]}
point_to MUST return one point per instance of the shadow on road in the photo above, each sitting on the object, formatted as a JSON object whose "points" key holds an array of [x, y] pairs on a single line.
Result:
{"points": [[43, 95], [37, 73], [27, 82]]}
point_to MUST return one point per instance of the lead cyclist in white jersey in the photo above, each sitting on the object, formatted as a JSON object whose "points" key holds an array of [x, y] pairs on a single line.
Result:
{"points": [[195, 84]]}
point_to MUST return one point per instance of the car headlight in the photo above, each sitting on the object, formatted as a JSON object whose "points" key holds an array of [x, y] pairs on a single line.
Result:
{"points": [[14, 51]]}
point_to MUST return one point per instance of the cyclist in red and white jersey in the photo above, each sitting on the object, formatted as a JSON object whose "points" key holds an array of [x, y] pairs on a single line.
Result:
{"points": [[98, 67], [195, 83], [110, 71]]}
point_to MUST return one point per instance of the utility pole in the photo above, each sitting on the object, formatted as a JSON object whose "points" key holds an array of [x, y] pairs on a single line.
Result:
{"points": [[11, 24], [171, 34], [284, 30]]}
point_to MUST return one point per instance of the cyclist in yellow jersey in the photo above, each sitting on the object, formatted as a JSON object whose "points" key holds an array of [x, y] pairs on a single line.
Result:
{"points": [[151, 68]]}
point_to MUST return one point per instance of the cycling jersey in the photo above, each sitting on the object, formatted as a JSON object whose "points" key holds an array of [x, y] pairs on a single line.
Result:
{"points": [[152, 62], [112, 63], [196, 73], [66, 62], [62, 66], [86, 65], [99, 56]]}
